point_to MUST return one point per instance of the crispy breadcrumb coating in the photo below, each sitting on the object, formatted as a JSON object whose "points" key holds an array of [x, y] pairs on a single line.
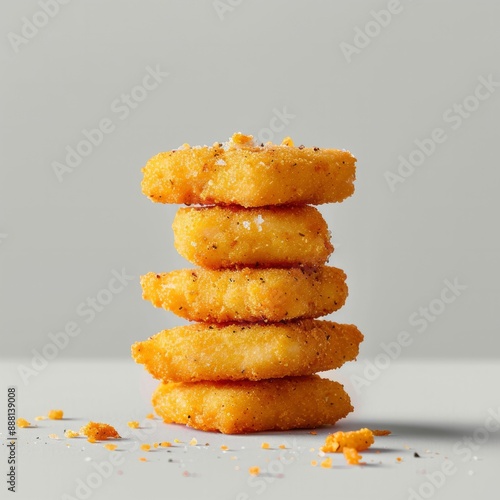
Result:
{"points": [[220, 237], [248, 294], [245, 406], [250, 351]]}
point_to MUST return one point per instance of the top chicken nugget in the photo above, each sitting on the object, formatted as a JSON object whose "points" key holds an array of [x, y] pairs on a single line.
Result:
{"points": [[243, 173]]}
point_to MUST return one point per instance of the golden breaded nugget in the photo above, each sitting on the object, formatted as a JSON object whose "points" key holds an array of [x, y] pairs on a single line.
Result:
{"points": [[218, 237], [242, 173], [248, 294], [250, 351], [245, 406]]}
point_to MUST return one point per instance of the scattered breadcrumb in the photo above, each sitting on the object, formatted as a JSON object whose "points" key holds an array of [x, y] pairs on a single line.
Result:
{"points": [[155, 445], [96, 431], [254, 471], [327, 463], [41, 417], [92, 440], [314, 463], [287, 141], [166, 444], [53, 436], [22, 422], [399, 459], [282, 447], [177, 440], [110, 446], [381, 432], [143, 459], [150, 415], [224, 447], [265, 446], [133, 424], [145, 447], [55, 414], [71, 434], [359, 440], [313, 433], [193, 442], [351, 455]]}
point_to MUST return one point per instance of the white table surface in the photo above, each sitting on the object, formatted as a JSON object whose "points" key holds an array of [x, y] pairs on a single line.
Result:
{"points": [[437, 409]]}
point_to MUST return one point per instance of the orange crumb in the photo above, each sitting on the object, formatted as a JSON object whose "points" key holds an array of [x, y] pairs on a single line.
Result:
{"points": [[327, 463], [254, 471], [351, 455], [71, 434], [41, 417], [155, 445], [287, 141], [177, 440], [313, 433], [165, 444], [265, 446], [133, 424], [314, 463], [224, 447], [22, 422], [92, 440], [110, 446], [96, 431], [145, 447], [150, 415], [399, 459], [359, 440], [53, 436], [282, 447], [143, 459], [239, 138], [55, 414], [381, 432], [193, 442]]}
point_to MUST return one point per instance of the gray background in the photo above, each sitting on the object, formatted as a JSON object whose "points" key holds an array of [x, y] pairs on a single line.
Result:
{"points": [[60, 241]]}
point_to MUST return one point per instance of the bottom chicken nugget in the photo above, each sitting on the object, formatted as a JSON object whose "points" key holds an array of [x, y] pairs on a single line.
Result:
{"points": [[237, 407]]}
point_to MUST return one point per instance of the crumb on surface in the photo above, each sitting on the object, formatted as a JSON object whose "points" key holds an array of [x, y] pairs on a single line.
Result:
{"points": [[381, 432], [359, 440], [254, 470], [143, 459], [165, 444], [96, 431], [224, 447], [282, 447], [351, 455], [264, 446], [150, 415], [55, 414], [40, 417], [53, 436], [22, 422], [155, 445], [314, 463], [327, 463], [71, 434], [399, 459], [133, 424], [193, 442], [110, 446], [145, 447]]}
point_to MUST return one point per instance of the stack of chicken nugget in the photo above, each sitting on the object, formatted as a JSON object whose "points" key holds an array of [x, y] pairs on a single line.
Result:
{"points": [[249, 361]]}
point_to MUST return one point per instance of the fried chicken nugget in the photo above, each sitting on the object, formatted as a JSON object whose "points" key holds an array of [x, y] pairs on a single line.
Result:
{"points": [[252, 351], [242, 173], [247, 294], [219, 237], [245, 406]]}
